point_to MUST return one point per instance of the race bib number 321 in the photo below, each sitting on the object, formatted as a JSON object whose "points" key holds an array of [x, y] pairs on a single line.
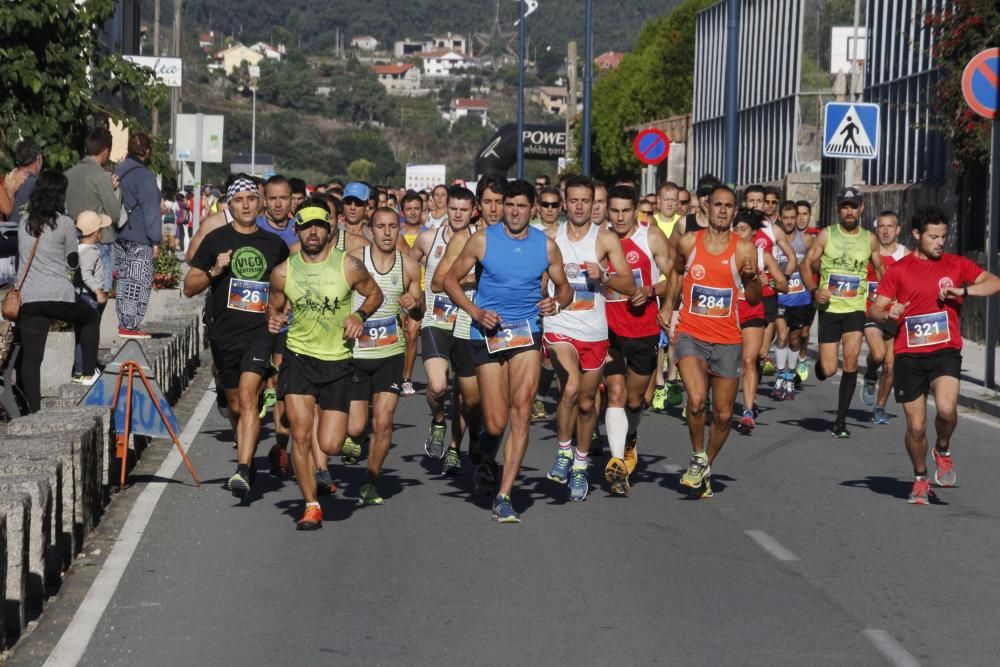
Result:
{"points": [[248, 295], [929, 329]]}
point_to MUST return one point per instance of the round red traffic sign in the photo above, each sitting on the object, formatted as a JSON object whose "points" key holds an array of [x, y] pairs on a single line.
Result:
{"points": [[979, 82], [651, 146]]}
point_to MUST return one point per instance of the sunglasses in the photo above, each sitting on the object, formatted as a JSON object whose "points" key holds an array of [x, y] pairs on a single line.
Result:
{"points": [[684, 201], [549, 204]]}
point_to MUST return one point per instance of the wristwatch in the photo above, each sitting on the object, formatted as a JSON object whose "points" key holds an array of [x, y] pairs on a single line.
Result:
{"points": [[361, 315]]}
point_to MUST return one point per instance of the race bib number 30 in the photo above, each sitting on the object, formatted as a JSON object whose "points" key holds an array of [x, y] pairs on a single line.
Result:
{"points": [[795, 285], [844, 286], [510, 335], [379, 333], [248, 295], [711, 301], [444, 310], [930, 329], [612, 296]]}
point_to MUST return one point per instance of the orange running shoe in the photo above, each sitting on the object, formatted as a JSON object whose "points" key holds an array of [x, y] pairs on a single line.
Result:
{"points": [[945, 473], [312, 519], [278, 457], [921, 493]]}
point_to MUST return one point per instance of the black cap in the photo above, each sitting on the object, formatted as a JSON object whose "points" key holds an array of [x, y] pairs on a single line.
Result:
{"points": [[849, 195]]}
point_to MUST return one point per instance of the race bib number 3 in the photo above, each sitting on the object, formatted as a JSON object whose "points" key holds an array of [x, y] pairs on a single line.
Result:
{"points": [[379, 333], [612, 296], [510, 335], [930, 329], [711, 301], [248, 295], [844, 286], [444, 310]]}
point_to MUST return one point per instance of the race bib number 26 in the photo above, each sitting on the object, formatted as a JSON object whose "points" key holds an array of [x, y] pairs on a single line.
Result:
{"points": [[248, 295]]}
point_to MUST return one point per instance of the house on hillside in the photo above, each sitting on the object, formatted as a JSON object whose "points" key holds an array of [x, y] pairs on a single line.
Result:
{"points": [[608, 60], [268, 51], [404, 48], [554, 99], [364, 42], [206, 39], [399, 79], [460, 107], [447, 42], [230, 59], [444, 62]]}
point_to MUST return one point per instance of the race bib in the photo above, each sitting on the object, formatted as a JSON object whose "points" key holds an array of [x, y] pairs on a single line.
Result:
{"points": [[612, 296], [444, 310], [844, 286], [711, 301], [930, 329], [510, 336], [795, 284], [248, 295], [872, 290], [382, 332], [583, 296]]}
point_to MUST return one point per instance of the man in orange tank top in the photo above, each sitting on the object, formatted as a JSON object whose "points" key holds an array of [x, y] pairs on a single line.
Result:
{"points": [[709, 267]]}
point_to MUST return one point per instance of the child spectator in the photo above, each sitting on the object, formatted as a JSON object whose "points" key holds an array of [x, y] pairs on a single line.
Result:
{"points": [[89, 281]]}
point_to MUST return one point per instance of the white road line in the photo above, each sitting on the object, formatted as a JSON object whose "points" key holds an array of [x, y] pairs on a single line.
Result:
{"points": [[771, 545], [73, 643], [891, 649]]}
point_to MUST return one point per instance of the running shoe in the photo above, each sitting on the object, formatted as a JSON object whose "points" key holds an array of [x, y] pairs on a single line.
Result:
{"points": [[559, 472], [753, 408], [631, 454], [324, 483], [921, 493], [434, 444], [484, 479], [839, 430], [538, 410], [868, 392], [578, 484], [747, 423], [659, 398], [769, 368], [351, 451], [675, 392], [369, 495], [452, 463], [705, 490], [406, 388], [778, 392], [879, 416], [270, 397], [239, 485], [278, 456], [503, 512], [802, 370], [945, 474], [312, 519], [616, 473], [698, 469]]}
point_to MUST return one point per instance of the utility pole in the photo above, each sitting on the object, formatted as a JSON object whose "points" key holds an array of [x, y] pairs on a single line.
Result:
{"points": [[851, 165], [588, 81], [732, 122], [155, 113], [570, 96], [175, 93], [520, 90]]}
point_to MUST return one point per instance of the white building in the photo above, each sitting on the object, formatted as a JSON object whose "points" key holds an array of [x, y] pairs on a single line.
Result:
{"points": [[230, 59], [444, 62], [448, 42], [460, 107], [268, 51], [399, 79], [404, 48], [364, 42]]}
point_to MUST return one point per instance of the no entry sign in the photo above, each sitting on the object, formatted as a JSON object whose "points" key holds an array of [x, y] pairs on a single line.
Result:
{"points": [[979, 82], [652, 146]]}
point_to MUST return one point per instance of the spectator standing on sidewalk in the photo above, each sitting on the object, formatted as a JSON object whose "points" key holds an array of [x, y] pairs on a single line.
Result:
{"points": [[28, 160], [89, 283], [92, 188], [139, 240]]}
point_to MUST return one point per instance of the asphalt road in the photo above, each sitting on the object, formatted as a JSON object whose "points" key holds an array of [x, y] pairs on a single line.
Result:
{"points": [[808, 554]]}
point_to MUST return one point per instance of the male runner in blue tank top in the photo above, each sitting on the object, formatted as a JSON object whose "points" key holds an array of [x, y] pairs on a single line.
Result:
{"points": [[506, 332]]}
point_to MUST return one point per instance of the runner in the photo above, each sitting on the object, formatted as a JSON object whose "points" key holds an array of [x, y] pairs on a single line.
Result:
{"points": [[795, 309], [409, 230], [436, 329], [576, 338], [875, 390], [805, 228], [842, 252], [633, 332], [924, 292], [708, 338], [438, 212], [511, 259], [669, 389], [317, 368], [600, 208], [550, 206], [749, 226], [235, 262], [379, 351]]}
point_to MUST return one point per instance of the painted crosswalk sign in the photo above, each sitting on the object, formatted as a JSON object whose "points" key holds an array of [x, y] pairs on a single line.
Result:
{"points": [[851, 130]]}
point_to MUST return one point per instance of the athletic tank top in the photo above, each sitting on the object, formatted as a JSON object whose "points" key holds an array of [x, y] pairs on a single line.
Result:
{"points": [[746, 311], [584, 319], [510, 281], [797, 294], [463, 322], [287, 234], [844, 269], [666, 226], [321, 301], [625, 319], [383, 336], [433, 222], [440, 311], [887, 261], [710, 286]]}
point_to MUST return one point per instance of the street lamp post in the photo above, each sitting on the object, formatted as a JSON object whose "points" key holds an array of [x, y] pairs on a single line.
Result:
{"points": [[254, 76], [520, 90], [588, 82]]}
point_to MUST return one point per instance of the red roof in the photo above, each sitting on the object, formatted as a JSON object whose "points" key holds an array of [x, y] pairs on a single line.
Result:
{"points": [[609, 59], [398, 68], [469, 103]]}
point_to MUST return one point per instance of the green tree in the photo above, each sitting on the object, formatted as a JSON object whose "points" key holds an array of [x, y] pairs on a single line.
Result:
{"points": [[361, 170], [654, 81], [57, 81]]}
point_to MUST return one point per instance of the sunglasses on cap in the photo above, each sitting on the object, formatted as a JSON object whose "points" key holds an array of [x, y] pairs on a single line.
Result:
{"points": [[312, 215]]}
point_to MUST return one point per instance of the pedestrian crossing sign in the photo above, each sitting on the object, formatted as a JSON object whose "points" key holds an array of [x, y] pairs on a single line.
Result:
{"points": [[851, 130]]}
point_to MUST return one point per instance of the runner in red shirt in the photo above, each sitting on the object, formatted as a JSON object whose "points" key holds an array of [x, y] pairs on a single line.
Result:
{"points": [[710, 266], [923, 292]]}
